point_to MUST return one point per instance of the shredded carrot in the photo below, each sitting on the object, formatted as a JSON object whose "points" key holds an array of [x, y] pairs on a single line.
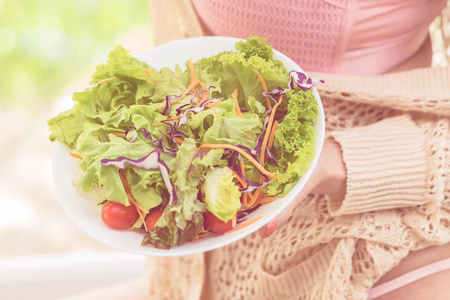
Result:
{"points": [[191, 65], [269, 128], [141, 216], [117, 134], [200, 103], [178, 140], [243, 208], [203, 235], [205, 94], [131, 198], [233, 220], [93, 107], [255, 200], [238, 109], [264, 86], [148, 74], [172, 118], [245, 199], [241, 181], [191, 87], [106, 80], [245, 224], [250, 204], [242, 166], [256, 195], [127, 188], [245, 196], [75, 155], [242, 152], [209, 105], [266, 200], [272, 135], [252, 197]]}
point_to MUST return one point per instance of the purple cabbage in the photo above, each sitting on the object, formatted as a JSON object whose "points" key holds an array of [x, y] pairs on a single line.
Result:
{"points": [[259, 140], [129, 129], [271, 157], [133, 139], [236, 167], [169, 102], [152, 161], [252, 186], [173, 132], [275, 94], [302, 80], [249, 151], [159, 143], [178, 110], [242, 215], [195, 110], [99, 137], [103, 202]]}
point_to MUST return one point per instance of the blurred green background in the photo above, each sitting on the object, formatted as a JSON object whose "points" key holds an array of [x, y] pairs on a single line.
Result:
{"points": [[47, 45], [48, 51]]}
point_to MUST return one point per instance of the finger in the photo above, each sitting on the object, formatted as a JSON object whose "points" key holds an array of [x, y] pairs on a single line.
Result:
{"points": [[280, 220]]}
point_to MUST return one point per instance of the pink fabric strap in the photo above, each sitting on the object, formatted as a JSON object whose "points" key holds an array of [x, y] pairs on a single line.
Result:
{"points": [[409, 277]]}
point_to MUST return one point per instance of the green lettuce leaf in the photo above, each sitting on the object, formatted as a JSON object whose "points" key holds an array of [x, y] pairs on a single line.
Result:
{"points": [[92, 150], [221, 195], [169, 82], [147, 187], [67, 126], [183, 219], [215, 128], [235, 70], [255, 46], [294, 141]]}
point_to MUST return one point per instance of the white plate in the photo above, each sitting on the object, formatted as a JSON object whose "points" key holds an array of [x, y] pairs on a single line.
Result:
{"points": [[87, 215]]}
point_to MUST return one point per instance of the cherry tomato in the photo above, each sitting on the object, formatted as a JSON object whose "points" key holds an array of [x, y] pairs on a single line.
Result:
{"points": [[217, 225], [119, 216], [152, 218]]}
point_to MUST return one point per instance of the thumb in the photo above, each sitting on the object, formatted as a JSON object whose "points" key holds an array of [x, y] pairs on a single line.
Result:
{"points": [[280, 220]]}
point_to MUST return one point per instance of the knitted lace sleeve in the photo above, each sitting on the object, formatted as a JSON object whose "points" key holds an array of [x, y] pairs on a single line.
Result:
{"points": [[420, 90], [397, 162], [392, 164]]}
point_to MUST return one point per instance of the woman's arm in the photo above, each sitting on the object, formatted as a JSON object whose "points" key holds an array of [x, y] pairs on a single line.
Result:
{"points": [[398, 162]]}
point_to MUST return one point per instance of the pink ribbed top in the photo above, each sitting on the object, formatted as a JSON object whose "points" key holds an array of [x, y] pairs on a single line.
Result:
{"points": [[364, 37]]}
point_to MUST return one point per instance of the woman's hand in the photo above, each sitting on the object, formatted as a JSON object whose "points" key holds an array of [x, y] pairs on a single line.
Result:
{"points": [[329, 177]]}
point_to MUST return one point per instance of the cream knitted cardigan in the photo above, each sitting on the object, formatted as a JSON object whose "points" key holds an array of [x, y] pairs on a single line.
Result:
{"points": [[395, 136]]}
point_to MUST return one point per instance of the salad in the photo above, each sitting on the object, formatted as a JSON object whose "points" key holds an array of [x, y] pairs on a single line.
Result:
{"points": [[187, 154]]}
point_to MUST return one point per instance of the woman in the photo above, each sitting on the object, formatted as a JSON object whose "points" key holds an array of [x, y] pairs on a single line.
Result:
{"points": [[381, 207], [377, 222]]}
